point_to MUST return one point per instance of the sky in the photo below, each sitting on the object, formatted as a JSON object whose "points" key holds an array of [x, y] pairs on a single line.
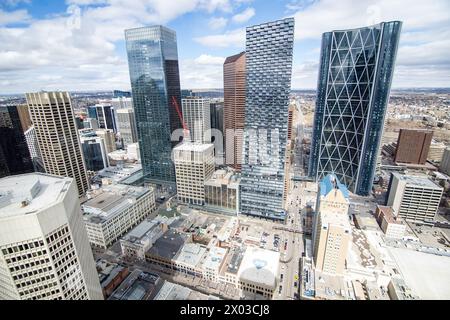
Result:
{"points": [[79, 45]]}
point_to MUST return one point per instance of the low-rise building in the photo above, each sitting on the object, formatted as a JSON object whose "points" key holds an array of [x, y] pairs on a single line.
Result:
{"points": [[392, 226], [138, 285], [414, 198], [166, 248], [222, 192], [257, 275], [113, 210], [139, 240], [213, 263], [189, 259], [110, 275]]}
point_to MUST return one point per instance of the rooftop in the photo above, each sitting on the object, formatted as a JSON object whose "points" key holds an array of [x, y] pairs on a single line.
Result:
{"points": [[259, 266], [421, 181], [223, 177], [196, 147], [331, 182], [214, 258], [428, 275], [138, 286], [29, 193], [168, 245], [110, 200], [191, 254]]}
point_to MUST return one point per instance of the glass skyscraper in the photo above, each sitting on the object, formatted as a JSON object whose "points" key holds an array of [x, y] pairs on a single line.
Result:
{"points": [[15, 157], [355, 75], [269, 48], [153, 63]]}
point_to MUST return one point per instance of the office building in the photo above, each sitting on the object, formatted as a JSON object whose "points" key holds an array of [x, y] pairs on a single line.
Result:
{"points": [[44, 249], [196, 116], [122, 103], [194, 165], [269, 49], [392, 226], [234, 108], [109, 138], [121, 94], [222, 192], [126, 123], [414, 198], [106, 116], [258, 273], [92, 112], [332, 230], [53, 119], [217, 131], [155, 82], [436, 151], [90, 123], [413, 146], [355, 75], [24, 116], [14, 154], [33, 147], [114, 210], [445, 163], [94, 152]]}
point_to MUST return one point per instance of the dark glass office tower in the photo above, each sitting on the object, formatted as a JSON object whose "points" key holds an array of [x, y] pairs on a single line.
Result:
{"points": [[153, 63], [355, 75], [15, 157], [269, 49]]}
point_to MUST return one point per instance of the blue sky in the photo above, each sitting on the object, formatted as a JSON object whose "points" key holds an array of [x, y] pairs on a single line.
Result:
{"points": [[78, 44]]}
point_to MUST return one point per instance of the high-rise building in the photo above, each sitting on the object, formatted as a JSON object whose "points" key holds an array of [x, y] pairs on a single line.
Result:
{"points": [[14, 154], [92, 112], [234, 108], [436, 151], [155, 82], [57, 136], [196, 116], [44, 248], [413, 146], [414, 198], [356, 69], [90, 123], [109, 138], [126, 123], [194, 165], [445, 163], [332, 230], [24, 117], [33, 147], [94, 152], [216, 115], [106, 116], [121, 94], [269, 49], [122, 103]]}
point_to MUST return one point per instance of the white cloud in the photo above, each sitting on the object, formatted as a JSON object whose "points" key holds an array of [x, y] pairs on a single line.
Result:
{"points": [[217, 23], [203, 72], [10, 17], [234, 38], [244, 16]]}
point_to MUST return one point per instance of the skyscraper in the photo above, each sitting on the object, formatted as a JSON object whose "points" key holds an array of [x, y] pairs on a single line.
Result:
{"points": [[14, 154], [33, 147], [234, 108], [413, 146], [332, 231], [269, 49], [196, 116], [355, 75], [94, 152], [44, 248], [155, 81], [57, 136], [126, 124], [106, 116]]}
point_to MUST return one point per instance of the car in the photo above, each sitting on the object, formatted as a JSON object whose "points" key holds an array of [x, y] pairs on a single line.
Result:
{"points": [[281, 276], [295, 284], [279, 290]]}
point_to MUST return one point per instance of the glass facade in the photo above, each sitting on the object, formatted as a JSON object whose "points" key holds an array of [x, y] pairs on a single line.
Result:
{"points": [[269, 49], [356, 69], [15, 157], [153, 64], [94, 154]]}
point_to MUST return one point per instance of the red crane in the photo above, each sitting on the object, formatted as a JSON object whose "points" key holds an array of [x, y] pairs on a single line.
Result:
{"points": [[185, 127]]}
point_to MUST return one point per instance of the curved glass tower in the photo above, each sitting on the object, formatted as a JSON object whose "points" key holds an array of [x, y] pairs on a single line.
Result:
{"points": [[355, 76], [153, 63]]}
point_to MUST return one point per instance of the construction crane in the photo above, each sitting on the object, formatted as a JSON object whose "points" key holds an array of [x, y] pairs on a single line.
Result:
{"points": [[185, 127]]}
